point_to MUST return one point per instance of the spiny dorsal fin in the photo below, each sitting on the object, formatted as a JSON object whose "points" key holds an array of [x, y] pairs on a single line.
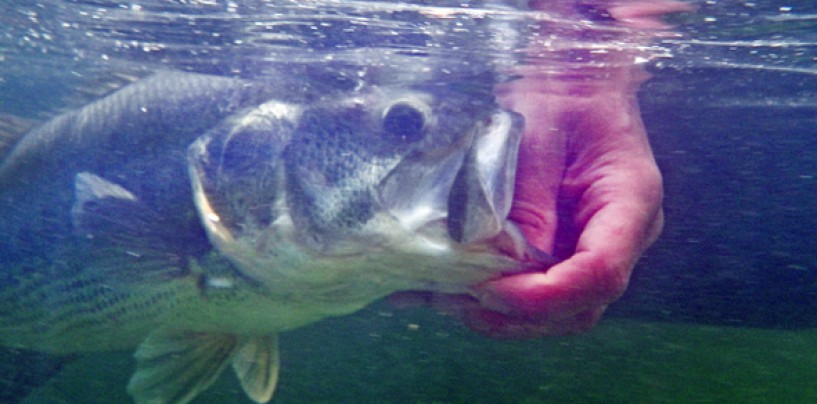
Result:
{"points": [[256, 364], [87, 88], [176, 367], [90, 87], [98, 86]]}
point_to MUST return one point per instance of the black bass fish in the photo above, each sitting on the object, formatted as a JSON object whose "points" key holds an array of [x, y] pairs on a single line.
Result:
{"points": [[195, 217]]}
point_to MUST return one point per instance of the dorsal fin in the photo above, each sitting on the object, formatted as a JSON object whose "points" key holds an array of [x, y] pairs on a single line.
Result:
{"points": [[12, 129], [88, 88], [101, 85]]}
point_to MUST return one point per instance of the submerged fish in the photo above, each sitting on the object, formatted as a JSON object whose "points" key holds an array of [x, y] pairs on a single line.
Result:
{"points": [[195, 217]]}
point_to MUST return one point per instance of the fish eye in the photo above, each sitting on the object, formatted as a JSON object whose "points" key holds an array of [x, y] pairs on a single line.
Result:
{"points": [[404, 121]]}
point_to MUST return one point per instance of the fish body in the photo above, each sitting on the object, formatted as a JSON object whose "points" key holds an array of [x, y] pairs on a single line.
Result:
{"points": [[195, 217]]}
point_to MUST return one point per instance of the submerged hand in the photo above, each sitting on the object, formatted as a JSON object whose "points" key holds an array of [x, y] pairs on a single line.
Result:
{"points": [[587, 189]]}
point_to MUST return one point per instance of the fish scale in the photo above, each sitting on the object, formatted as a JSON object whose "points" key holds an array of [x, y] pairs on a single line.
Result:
{"points": [[91, 313], [193, 218]]}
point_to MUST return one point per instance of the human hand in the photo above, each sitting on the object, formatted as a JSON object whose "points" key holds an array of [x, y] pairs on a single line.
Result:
{"points": [[588, 189]]}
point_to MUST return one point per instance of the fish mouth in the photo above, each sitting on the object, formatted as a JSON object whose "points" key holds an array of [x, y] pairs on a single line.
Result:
{"points": [[448, 203], [454, 198], [468, 189]]}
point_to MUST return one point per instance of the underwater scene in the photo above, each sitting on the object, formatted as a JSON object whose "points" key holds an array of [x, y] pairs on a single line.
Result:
{"points": [[291, 201]]}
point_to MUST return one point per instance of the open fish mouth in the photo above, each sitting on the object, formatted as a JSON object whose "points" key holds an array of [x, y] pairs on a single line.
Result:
{"points": [[381, 175]]}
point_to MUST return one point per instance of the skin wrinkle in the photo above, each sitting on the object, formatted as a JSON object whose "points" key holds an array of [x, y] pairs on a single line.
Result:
{"points": [[535, 222], [537, 155], [596, 273], [611, 190]]}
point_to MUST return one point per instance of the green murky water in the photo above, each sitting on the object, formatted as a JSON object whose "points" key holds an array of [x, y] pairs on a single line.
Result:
{"points": [[415, 356]]}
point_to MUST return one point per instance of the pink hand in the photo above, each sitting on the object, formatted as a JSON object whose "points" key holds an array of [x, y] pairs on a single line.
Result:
{"points": [[585, 160], [587, 188]]}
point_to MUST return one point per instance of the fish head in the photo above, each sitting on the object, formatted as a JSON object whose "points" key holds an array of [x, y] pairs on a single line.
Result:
{"points": [[347, 188]]}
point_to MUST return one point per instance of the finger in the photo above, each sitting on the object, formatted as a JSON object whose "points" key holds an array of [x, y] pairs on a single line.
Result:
{"points": [[646, 14], [655, 230], [597, 274]]}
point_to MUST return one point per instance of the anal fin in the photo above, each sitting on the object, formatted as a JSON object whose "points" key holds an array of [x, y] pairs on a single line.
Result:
{"points": [[176, 367], [256, 364]]}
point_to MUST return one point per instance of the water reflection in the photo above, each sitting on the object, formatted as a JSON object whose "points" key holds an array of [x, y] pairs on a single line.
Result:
{"points": [[270, 38]]}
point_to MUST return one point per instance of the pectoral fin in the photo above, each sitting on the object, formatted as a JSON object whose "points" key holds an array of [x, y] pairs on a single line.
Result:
{"points": [[256, 365], [96, 200], [176, 367], [126, 235]]}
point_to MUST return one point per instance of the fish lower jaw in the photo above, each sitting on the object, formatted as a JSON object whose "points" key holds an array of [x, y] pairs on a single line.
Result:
{"points": [[291, 274]]}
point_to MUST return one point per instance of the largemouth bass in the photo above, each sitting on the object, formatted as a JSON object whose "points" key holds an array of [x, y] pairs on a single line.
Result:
{"points": [[195, 217]]}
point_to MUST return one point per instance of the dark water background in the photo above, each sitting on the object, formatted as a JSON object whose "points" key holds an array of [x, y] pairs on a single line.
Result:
{"points": [[734, 133], [721, 309]]}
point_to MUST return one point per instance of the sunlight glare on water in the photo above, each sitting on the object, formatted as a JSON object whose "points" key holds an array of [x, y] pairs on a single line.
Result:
{"points": [[379, 41], [387, 40]]}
